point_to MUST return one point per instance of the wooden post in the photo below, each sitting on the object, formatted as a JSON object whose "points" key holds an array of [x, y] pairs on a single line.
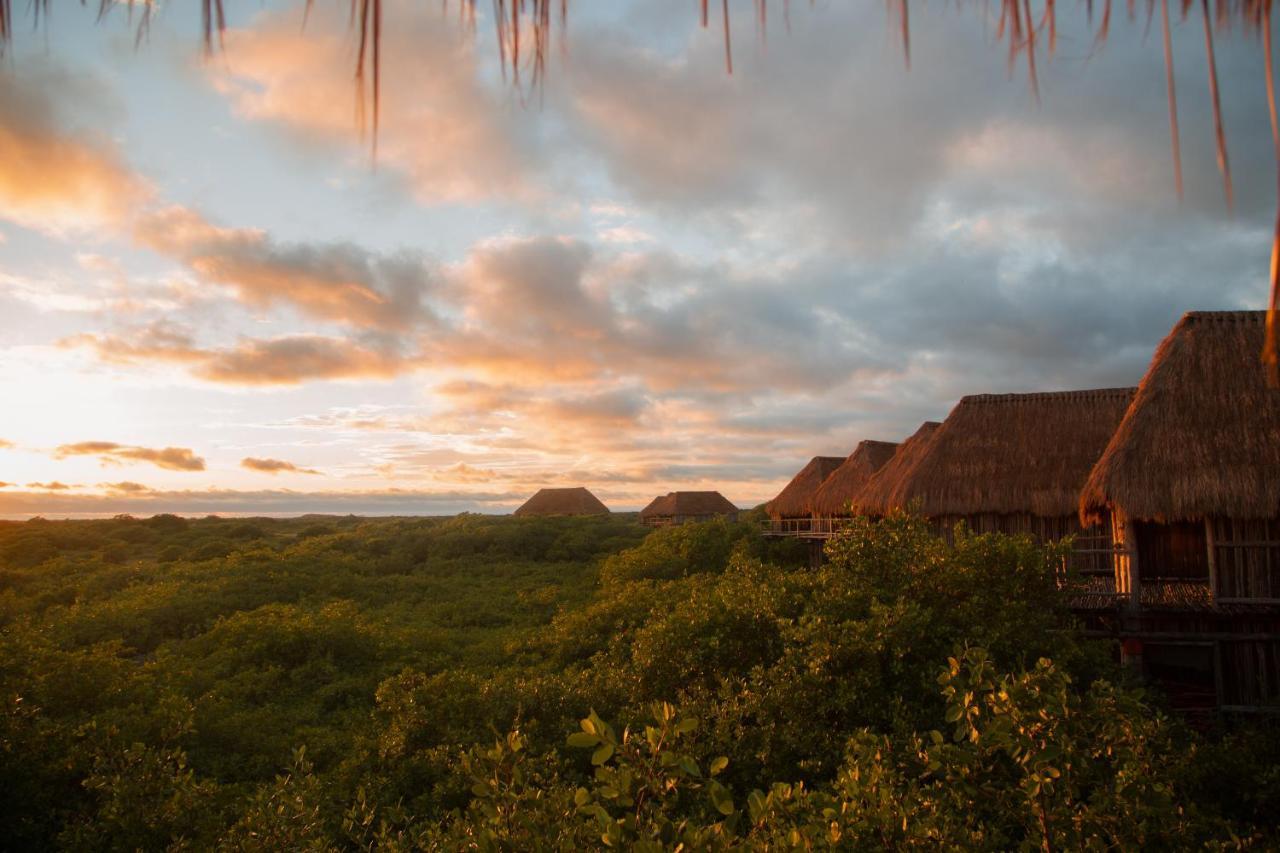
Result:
{"points": [[1131, 553], [1213, 559], [815, 553], [1217, 670]]}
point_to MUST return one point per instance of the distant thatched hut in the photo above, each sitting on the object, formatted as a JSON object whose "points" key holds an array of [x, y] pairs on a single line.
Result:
{"points": [[1015, 463], [832, 498], [1190, 483], [881, 493], [679, 507], [792, 503], [571, 501]]}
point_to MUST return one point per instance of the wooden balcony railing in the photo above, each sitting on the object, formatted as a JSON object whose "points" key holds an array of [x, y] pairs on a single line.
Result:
{"points": [[805, 528]]}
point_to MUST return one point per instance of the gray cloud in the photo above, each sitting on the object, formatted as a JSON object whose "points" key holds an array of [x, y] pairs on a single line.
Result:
{"points": [[829, 132], [842, 249]]}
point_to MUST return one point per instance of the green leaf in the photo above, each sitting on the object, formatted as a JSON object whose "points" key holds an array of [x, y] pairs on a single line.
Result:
{"points": [[583, 740], [721, 799], [686, 725], [718, 764], [581, 797], [603, 754]]}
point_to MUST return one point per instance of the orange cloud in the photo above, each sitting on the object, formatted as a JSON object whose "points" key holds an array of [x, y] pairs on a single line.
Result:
{"points": [[289, 360], [156, 342], [332, 281], [295, 359], [53, 486], [125, 487], [464, 473], [54, 178], [452, 138], [273, 466], [170, 458]]}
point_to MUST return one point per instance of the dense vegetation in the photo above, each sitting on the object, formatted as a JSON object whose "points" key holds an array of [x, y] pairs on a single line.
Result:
{"points": [[515, 684]]}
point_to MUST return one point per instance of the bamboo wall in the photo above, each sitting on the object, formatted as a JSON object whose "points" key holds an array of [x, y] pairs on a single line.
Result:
{"points": [[1246, 559]]}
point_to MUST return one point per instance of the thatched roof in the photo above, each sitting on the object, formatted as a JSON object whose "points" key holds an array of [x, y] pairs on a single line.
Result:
{"points": [[573, 501], [793, 500], [1013, 453], [878, 495], [1202, 436], [833, 496], [688, 503]]}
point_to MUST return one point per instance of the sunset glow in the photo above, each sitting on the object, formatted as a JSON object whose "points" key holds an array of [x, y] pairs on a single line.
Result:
{"points": [[649, 275]]}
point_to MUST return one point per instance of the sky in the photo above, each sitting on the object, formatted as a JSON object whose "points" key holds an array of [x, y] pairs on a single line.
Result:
{"points": [[646, 275]]}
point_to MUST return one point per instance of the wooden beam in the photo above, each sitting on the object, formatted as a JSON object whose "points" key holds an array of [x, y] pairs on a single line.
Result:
{"points": [[1217, 669]]}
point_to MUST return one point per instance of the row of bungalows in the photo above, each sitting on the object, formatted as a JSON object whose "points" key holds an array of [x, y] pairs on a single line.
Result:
{"points": [[1010, 463], [791, 510], [1170, 490]]}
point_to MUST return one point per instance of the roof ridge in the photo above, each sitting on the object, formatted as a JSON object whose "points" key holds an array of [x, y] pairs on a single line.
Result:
{"points": [[1225, 316], [1087, 394]]}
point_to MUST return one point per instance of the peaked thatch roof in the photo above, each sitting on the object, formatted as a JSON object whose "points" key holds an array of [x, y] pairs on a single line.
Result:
{"points": [[1013, 453], [1202, 436], [572, 501], [878, 496], [793, 500], [833, 496], [688, 503]]}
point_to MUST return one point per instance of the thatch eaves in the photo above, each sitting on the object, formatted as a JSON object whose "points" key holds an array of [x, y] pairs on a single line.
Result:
{"points": [[1008, 454], [879, 495], [793, 500], [570, 501], [833, 496], [1202, 436]]}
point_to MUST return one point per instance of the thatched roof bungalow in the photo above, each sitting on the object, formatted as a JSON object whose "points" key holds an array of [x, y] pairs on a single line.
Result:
{"points": [[570, 501], [679, 507], [793, 501], [1012, 463], [1192, 474], [1191, 483], [832, 498], [880, 494]]}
